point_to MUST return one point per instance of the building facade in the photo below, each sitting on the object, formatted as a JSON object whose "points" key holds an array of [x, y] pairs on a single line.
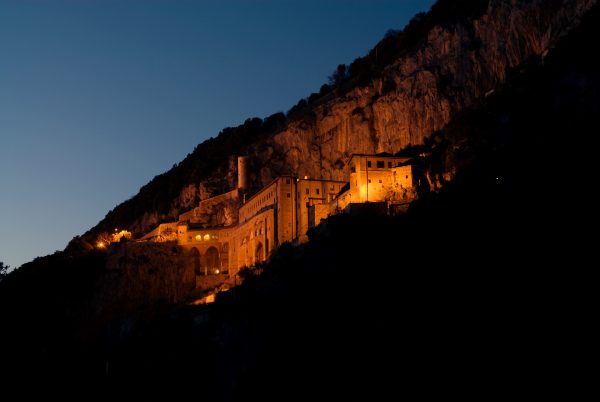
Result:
{"points": [[282, 211]]}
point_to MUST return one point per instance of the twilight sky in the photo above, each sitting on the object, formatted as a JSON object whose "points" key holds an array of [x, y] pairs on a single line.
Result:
{"points": [[99, 96]]}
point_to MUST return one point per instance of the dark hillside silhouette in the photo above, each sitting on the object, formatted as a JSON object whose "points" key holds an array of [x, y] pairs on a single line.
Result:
{"points": [[472, 292]]}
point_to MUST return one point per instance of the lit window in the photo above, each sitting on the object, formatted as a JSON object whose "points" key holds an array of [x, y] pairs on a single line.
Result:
{"points": [[198, 237], [206, 237]]}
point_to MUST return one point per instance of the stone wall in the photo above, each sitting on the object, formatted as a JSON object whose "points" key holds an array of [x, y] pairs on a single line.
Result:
{"points": [[253, 241], [312, 192]]}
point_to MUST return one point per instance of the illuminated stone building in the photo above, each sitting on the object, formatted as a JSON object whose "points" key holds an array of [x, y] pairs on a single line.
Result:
{"points": [[310, 194], [378, 178], [278, 213], [383, 178], [208, 247], [282, 211]]}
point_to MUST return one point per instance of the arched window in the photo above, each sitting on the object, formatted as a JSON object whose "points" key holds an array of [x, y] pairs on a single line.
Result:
{"points": [[196, 260], [213, 263], [260, 253]]}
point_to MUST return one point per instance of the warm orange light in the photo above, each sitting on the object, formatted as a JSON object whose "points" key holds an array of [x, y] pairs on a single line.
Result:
{"points": [[100, 244], [363, 192], [205, 300], [116, 237]]}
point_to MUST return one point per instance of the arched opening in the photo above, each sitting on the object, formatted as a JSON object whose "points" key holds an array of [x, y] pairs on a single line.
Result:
{"points": [[213, 263], [196, 259], [225, 258], [260, 253]]}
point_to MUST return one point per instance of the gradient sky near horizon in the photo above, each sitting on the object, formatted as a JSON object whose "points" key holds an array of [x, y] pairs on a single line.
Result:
{"points": [[99, 96]]}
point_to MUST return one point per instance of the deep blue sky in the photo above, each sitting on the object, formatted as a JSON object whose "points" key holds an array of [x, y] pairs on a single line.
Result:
{"points": [[98, 97]]}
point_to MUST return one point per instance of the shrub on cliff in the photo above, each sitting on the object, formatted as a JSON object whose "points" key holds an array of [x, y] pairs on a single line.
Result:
{"points": [[3, 270]]}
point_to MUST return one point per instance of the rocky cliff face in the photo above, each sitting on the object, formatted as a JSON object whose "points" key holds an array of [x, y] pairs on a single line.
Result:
{"points": [[448, 71], [419, 93], [139, 274]]}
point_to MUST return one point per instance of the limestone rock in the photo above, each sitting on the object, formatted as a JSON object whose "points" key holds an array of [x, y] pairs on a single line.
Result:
{"points": [[419, 93]]}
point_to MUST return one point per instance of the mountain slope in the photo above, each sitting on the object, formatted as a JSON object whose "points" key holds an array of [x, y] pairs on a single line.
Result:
{"points": [[475, 287], [473, 292], [409, 86], [449, 70]]}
